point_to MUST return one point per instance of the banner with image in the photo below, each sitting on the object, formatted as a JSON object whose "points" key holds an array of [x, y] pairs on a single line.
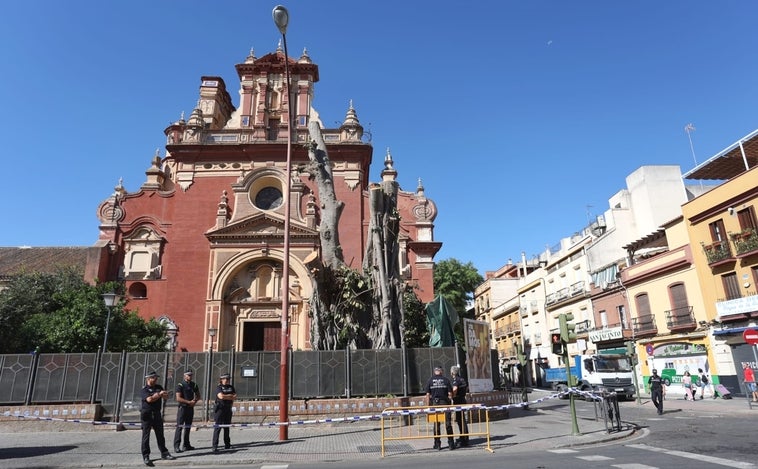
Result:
{"points": [[479, 365]]}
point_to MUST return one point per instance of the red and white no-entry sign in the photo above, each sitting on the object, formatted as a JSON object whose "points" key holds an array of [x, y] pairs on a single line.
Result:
{"points": [[750, 336]]}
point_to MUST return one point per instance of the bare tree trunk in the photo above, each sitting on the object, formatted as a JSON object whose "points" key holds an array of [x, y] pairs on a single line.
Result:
{"points": [[381, 261], [324, 328]]}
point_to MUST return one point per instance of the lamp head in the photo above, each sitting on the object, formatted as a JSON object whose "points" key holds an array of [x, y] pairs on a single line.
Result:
{"points": [[281, 18], [212, 332]]}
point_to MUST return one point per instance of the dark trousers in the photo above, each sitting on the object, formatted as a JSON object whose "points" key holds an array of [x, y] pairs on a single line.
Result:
{"points": [[460, 418], [222, 416], [656, 395], [152, 421], [448, 424], [184, 416]]}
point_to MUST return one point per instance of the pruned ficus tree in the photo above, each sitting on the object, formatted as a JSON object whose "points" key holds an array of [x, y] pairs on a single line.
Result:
{"points": [[351, 308], [381, 263]]}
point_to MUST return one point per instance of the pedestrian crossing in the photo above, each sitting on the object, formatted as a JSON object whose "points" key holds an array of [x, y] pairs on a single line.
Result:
{"points": [[701, 459]]}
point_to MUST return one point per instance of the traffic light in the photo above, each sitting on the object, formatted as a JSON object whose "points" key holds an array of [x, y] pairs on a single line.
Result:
{"points": [[557, 343], [567, 327], [631, 352]]}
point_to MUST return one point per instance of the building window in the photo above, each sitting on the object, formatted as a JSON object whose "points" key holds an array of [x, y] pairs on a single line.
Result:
{"points": [[604, 318], [678, 296], [731, 286], [142, 257], [746, 218], [718, 232], [622, 316], [643, 304]]}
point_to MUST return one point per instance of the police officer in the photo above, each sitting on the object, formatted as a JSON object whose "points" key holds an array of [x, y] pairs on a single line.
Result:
{"points": [[439, 391], [460, 389], [225, 396], [656, 391], [187, 395], [153, 396]]}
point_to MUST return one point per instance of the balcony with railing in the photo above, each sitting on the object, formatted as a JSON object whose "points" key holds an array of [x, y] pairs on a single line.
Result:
{"points": [[644, 326], [563, 293], [745, 242], [718, 252], [680, 319], [551, 298], [576, 288], [533, 307]]}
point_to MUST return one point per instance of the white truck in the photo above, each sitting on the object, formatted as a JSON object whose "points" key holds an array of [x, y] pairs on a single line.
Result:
{"points": [[600, 373]]}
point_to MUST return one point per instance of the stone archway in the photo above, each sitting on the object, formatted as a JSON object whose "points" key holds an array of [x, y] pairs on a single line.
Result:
{"points": [[245, 303]]}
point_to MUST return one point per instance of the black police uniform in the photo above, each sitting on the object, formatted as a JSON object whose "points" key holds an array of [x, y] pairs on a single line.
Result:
{"points": [[439, 388], [185, 413], [223, 415], [460, 388], [656, 391], [151, 419]]}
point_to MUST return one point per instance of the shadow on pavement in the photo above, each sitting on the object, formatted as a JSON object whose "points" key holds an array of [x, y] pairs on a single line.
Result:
{"points": [[32, 451]]}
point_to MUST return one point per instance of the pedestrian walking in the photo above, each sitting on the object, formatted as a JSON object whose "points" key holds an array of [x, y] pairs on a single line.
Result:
{"points": [[749, 377], [153, 396], [705, 382], [187, 395], [439, 391], [687, 382], [225, 396], [656, 391], [460, 389]]}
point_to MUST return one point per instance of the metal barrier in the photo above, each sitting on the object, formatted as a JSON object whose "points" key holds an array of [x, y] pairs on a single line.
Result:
{"points": [[609, 408], [414, 423]]}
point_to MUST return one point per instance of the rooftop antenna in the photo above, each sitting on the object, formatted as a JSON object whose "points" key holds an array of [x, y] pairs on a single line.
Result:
{"points": [[689, 128]]}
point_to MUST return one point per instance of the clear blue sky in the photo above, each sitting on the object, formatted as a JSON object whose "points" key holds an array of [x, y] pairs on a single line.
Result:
{"points": [[521, 117]]}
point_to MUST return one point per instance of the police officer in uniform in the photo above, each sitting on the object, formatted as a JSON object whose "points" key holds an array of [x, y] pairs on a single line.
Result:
{"points": [[153, 396], [187, 395], [460, 389], [439, 391], [225, 396], [656, 391]]}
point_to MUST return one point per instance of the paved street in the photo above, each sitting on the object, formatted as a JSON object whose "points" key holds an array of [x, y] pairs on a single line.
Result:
{"points": [[700, 428]]}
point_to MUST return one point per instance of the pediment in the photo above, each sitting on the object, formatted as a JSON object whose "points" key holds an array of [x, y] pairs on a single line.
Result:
{"points": [[260, 226]]}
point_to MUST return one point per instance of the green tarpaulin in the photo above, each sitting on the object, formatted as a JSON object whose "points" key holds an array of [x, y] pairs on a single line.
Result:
{"points": [[441, 318]]}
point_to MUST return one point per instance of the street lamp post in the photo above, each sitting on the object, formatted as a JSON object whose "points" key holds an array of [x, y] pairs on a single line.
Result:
{"points": [[211, 333], [110, 299], [281, 19]]}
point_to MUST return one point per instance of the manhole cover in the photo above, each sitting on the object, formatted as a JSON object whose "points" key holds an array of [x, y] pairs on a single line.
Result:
{"points": [[403, 448]]}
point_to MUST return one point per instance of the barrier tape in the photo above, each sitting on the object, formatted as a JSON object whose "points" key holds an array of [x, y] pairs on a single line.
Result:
{"points": [[356, 418]]}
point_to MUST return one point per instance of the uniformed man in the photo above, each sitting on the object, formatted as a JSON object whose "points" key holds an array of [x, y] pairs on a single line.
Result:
{"points": [[225, 396], [439, 391], [187, 395], [656, 391], [460, 389], [153, 396]]}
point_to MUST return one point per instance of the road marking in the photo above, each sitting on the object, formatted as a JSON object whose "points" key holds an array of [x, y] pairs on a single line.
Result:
{"points": [[698, 457], [596, 457], [275, 466], [634, 466], [562, 451]]}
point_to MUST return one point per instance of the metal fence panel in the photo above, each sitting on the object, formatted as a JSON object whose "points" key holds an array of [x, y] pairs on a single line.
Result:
{"points": [[15, 372], [376, 372], [269, 374], [318, 373], [109, 381], [65, 377], [247, 386], [421, 363]]}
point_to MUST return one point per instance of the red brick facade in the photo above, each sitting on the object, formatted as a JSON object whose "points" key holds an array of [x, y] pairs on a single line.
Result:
{"points": [[200, 244]]}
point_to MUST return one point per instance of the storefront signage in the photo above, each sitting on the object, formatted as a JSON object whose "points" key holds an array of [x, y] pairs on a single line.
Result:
{"points": [[611, 333], [743, 305]]}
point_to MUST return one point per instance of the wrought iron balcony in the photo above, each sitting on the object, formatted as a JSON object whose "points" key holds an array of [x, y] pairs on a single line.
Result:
{"points": [[717, 252], [644, 326], [746, 241], [680, 319]]}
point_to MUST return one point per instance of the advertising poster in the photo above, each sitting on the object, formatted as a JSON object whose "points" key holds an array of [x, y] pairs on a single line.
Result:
{"points": [[477, 335]]}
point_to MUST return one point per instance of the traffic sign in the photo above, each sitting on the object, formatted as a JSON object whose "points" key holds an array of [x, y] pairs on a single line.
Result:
{"points": [[750, 336], [649, 349]]}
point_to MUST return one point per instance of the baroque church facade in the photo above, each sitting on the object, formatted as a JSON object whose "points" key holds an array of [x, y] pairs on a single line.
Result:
{"points": [[200, 245]]}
